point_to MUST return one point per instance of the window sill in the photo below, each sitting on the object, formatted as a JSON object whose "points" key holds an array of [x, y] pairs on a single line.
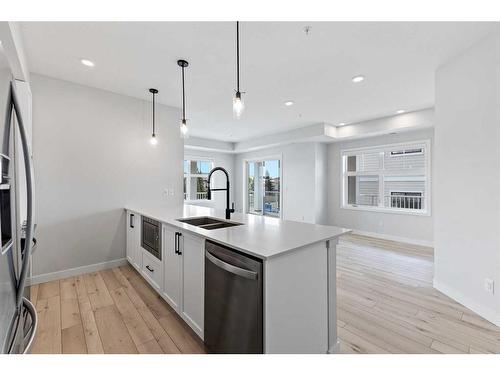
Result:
{"points": [[192, 201], [387, 210]]}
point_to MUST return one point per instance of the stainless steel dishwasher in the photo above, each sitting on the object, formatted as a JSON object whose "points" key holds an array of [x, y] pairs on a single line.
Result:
{"points": [[233, 301]]}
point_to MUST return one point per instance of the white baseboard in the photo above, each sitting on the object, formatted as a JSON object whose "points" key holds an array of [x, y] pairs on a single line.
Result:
{"points": [[485, 312], [389, 237], [45, 277]]}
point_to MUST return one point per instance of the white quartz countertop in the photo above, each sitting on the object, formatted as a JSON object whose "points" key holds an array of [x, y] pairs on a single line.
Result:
{"points": [[260, 236]]}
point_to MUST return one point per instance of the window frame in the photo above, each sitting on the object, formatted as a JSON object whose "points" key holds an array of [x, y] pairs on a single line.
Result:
{"points": [[382, 174], [190, 175], [245, 182]]}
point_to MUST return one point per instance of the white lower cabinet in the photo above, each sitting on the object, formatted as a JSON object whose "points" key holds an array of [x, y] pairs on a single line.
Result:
{"points": [[171, 290], [183, 282], [193, 282], [179, 276], [134, 253]]}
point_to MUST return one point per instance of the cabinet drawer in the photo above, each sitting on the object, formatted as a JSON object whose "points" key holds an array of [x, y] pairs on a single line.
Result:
{"points": [[152, 269]]}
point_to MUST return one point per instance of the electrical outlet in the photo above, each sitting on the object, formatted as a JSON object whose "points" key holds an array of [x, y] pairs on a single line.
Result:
{"points": [[489, 285], [168, 191]]}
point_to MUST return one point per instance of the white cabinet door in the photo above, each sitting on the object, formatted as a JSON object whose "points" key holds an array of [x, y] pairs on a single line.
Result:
{"points": [[131, 234], [134, 254], [193, 281], [137, 250], [172, 262]]}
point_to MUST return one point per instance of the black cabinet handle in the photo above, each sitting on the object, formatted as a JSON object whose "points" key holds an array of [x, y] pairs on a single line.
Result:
{"points": [[179, 252], [150, 269], [176, 243], [132, 221]]}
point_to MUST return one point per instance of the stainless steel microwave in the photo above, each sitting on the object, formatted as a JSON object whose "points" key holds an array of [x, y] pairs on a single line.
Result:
{"points": [[151, 236]]}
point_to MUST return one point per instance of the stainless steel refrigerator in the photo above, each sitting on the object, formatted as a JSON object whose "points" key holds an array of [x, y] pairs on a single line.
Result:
{"points": [[18, 321]]}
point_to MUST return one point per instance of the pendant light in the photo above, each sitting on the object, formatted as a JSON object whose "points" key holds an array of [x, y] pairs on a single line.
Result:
{"points": [[238, 105], [183, 128], [153, 139]]}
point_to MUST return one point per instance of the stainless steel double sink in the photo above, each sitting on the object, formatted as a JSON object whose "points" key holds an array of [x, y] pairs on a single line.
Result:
{"points": [[208, 222]]}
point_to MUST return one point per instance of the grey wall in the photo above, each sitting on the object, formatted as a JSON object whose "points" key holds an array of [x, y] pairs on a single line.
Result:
{"points": [[412, 227], [92, 158], [467, 183], [220, 159]]}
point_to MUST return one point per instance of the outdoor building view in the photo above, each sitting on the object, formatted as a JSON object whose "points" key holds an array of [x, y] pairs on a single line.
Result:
{"points": [[264, 187], [195, 179]]}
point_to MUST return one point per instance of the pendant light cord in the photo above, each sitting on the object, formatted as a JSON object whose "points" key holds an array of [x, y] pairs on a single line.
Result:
{"points": [[154, 114], [183, 97], [237, 56]]}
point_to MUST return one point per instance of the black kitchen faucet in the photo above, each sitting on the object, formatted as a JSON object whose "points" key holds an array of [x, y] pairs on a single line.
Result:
{"points": [[209, 193]]}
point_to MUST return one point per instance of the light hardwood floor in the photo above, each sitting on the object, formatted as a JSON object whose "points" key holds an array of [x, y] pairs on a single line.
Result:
{"points": [[386, 304], [111, 311]]}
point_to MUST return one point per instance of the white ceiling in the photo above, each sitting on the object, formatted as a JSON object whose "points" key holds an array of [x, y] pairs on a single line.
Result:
{"points": [[279, 62]]}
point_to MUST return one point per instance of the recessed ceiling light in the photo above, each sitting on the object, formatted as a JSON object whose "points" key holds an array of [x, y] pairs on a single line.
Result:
{"points": [[87, 62], [358, 79], [399, 111], [289, 103], [341, 124]]}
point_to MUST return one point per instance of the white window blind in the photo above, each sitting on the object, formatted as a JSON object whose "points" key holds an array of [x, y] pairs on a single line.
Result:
{"points": [[391, 177]]}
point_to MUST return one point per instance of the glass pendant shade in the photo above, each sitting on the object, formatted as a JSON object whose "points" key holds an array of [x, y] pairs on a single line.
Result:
{"points": [[153, 140], [184, 129], [238, 106]]}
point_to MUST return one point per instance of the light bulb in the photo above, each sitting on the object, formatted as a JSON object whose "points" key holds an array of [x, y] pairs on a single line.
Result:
{"points": [[87, 62], [358, 79], [153, 140], [238, 105], [184, 129]]}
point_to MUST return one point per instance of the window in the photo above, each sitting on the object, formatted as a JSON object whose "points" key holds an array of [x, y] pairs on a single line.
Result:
{"points": [[387, 178], [196, 179], [263, 187]]}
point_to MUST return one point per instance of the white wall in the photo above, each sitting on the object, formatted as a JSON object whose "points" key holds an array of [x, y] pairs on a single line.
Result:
{"points": [[92, 158], [219, 159], [321, 193], [418, 229], [467, 177], [299, 185]]}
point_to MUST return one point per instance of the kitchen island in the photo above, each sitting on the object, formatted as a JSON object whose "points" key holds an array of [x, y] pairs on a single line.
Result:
{"points": [[299, 286]]}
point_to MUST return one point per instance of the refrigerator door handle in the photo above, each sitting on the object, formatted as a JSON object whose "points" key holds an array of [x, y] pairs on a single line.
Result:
{"points": [[30, 225], [29, 337]]}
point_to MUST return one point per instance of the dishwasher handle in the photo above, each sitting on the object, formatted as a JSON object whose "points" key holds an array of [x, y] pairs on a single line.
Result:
{"points": [[230, 268]]}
